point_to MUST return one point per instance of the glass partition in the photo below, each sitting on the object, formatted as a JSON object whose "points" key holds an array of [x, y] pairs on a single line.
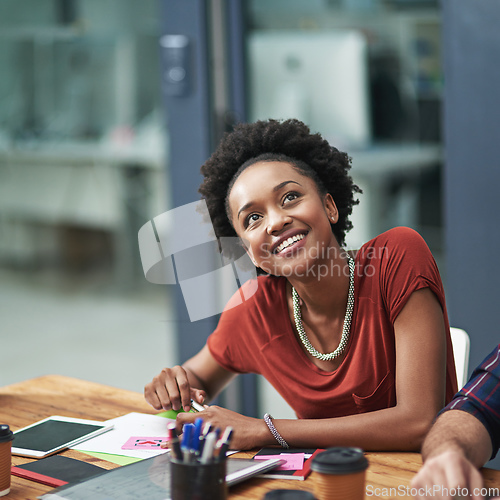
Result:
{"points": [[83, 165]]}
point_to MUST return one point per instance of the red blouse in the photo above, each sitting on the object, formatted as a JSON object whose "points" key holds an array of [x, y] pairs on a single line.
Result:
{"points": [[258, 337]]}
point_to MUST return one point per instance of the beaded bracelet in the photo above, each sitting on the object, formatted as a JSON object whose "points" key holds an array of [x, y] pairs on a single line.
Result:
{"points": [[274, 432]]}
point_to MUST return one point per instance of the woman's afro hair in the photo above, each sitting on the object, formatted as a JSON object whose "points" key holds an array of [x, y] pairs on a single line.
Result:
{"points": [[292, 139]]}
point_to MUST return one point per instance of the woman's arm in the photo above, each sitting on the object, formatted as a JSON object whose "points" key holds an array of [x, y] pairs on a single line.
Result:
{"points": [[420, 393], [200, 378], [420, 387]]}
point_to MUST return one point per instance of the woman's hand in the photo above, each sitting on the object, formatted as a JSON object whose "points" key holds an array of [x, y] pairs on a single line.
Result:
{"points": [[248, 432], [199, 378], [171, 390]]}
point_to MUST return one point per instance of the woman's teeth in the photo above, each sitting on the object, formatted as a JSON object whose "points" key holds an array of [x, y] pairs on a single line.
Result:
{"points": [[289, 242]]}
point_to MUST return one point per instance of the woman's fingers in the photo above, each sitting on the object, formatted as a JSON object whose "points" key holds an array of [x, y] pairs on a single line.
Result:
{"points": [[170, 390]]}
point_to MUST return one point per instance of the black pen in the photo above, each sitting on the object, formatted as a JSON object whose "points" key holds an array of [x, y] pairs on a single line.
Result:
{"points": [[225, 441], [175, 445]]}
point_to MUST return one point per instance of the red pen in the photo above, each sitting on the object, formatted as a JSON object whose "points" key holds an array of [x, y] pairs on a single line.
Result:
{"points": [[175, 446]]}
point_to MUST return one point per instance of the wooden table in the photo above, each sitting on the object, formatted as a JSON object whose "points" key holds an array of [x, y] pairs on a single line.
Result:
{"points": [[26, 402]]}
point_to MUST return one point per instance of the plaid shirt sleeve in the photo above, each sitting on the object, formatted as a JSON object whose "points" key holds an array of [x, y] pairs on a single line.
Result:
{"points": [[481, 396]]}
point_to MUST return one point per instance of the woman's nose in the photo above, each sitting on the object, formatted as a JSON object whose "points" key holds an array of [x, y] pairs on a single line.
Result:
{"points": [[277, 220]]}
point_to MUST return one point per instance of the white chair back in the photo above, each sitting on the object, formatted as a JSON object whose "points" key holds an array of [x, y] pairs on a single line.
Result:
{"points": [[461, 344]]}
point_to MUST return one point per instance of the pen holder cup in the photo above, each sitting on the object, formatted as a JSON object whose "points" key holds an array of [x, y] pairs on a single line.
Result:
{"points": [[197, 481], [6, 437], [339, 474]]}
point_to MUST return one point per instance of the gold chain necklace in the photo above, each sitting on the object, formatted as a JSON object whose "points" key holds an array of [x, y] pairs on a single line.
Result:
{"points": [[345, 327]]}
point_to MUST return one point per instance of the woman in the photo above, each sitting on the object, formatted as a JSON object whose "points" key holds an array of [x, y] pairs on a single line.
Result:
{"points": [[358, 346]]}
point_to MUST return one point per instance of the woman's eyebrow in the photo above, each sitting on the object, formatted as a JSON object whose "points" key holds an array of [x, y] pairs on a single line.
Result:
{"points": [[275, 188], [283, 184], [244, 207]]}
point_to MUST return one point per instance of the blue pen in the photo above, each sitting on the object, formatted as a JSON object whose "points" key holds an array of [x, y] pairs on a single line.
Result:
{"points": [[187, 433], [217, 431], [204, 433], [198, 424], [195, 438]]}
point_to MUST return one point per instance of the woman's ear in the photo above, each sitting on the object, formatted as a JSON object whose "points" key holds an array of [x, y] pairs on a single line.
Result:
{"points": [[330, 208]]}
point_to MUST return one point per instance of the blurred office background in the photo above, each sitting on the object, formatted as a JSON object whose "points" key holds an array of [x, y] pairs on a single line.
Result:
{"points": [[109, 107], [83, 165]]}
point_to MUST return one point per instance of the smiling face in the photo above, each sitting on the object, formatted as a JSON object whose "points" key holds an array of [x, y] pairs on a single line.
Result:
{"points": [[282, 217]]}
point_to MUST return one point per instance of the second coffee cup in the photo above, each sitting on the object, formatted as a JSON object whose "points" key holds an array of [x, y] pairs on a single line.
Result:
{"points": [[339, 474]]}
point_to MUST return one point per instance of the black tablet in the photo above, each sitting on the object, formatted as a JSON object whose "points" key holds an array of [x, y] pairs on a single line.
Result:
{"points": [[53, 434]]}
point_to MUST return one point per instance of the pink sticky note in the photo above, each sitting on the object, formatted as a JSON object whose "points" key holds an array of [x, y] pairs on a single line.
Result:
{"points": [[294, 461], [144, 443]]}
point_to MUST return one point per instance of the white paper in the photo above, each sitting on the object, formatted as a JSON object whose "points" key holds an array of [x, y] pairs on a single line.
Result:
{"points": [[132, 424]]}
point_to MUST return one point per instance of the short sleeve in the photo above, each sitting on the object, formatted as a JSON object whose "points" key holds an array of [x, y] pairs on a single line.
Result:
{"points": [[243, 331], [227, 343], [407, 266]]}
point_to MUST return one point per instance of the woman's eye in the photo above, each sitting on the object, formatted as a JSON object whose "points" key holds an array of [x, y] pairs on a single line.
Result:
{"points": [[290, 197], [251, 219]]}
